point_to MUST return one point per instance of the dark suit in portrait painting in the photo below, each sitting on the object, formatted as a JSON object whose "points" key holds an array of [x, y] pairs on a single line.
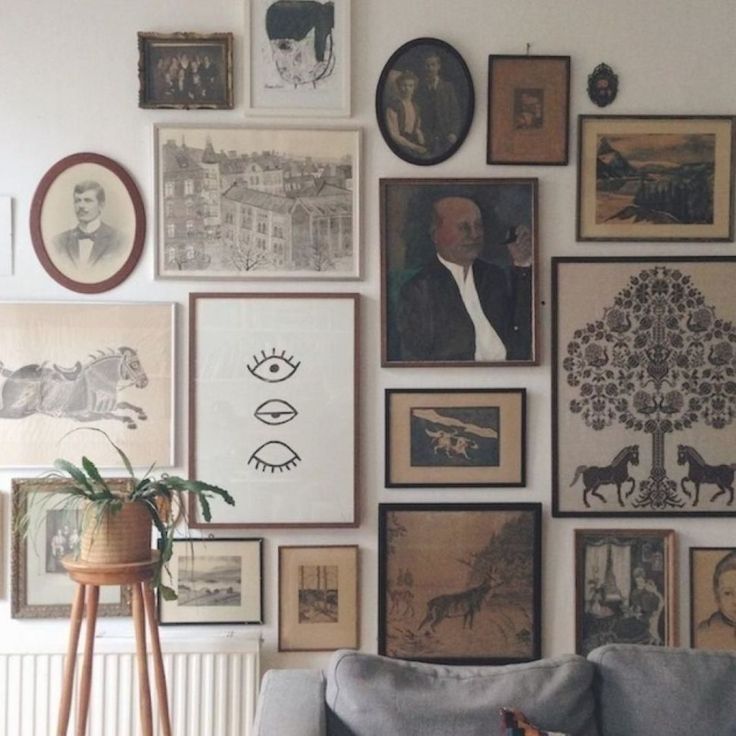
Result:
{"points": [[439, 107]]}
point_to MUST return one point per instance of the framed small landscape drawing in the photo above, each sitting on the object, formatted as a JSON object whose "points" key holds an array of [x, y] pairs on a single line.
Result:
{"points": [[217, 581], [88, 223], [69, 365], [624, 588], [318, 598], [297, 57], [432, 230], [713, 598], [655, 178], [455, 438], [528, 109], [644, 386], [40, 586], [265, 370], [460, 583], [186, 71], [249, 203]]}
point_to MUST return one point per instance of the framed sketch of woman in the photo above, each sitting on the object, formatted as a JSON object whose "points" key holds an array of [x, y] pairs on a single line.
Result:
{"points": [[88, 223], [425, 101]]}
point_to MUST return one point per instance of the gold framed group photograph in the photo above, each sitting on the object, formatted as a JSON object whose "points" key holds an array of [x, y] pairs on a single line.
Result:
{"points": [[655, 177], [528, 109], [713, 598], [318, 598], [455, 438]]}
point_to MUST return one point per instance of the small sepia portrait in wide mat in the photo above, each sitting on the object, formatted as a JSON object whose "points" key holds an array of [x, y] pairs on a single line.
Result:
{"points": [[88, 223]]}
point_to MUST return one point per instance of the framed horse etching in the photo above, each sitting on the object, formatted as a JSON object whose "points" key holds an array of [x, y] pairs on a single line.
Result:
{"points": [[460, 583], [66, 366], [644, 386]]}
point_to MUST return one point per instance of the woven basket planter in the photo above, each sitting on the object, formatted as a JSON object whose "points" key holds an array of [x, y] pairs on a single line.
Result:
{"points": [[116, 539]]}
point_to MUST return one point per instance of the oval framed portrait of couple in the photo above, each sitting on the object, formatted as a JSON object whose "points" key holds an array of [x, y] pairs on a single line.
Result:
{"points": [[425, 101], [88, 223]]}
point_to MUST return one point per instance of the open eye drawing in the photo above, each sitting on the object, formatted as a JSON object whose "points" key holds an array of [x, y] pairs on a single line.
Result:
{"points": [[274, 455], [275, 411], [273, 368]]}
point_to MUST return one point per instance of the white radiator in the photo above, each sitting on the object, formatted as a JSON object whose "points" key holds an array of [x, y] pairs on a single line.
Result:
{"points": [[212, 686]]}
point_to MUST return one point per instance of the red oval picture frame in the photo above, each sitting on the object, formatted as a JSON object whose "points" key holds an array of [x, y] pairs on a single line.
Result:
{"points": [[119, 241]]}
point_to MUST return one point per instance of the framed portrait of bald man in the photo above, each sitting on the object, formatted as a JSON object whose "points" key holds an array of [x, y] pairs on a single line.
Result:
{"points": [[88, 223], [458, 272], [297, 57]]}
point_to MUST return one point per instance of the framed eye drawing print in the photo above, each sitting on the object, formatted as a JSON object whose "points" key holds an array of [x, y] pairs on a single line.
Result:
{"points": [[624, 588], [713, 598], [460, 583], [455, 438], [264, 371], [655, 178], [297, 57], [644, 386]]}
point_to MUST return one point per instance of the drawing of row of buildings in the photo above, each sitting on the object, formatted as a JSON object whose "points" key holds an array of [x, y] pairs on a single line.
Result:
{"points": [[230, 212]]}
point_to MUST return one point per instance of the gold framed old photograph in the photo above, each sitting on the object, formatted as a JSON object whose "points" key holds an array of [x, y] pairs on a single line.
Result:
{"points": [[655, 177], [713, 598], [318, 598], [528, 109]]}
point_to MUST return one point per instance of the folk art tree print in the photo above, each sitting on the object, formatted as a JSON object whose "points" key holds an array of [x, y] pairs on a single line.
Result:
{"points": [[658, 361]]}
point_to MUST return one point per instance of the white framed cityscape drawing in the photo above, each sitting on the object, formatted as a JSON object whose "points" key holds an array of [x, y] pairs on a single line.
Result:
{"points": [[249, 203]]}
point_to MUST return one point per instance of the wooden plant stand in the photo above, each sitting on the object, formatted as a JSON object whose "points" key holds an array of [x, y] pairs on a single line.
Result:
{"points": [[89, 577]]}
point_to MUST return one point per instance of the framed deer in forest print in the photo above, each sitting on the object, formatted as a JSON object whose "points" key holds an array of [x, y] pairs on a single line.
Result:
{"points": [[460, 583]]}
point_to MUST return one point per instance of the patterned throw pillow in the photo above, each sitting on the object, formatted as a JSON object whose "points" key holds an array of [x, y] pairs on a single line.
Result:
{"points": [[515, 724]]}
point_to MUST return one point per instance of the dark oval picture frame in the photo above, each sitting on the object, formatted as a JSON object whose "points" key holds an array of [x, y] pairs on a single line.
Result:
{"points": [[428, 124], [100, 193]]}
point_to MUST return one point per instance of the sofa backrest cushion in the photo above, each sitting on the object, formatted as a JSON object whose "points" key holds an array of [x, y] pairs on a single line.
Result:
{"points": [[370, 695], [645, 690]]}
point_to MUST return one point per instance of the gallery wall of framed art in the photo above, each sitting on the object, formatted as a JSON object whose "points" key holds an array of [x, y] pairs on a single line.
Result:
{"points": [[289, 151]]}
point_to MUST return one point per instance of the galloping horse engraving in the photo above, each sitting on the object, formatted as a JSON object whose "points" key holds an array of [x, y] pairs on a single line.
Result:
{"points": [[85, 393], [617, 473], [464, 604], [700, 472], [451, 443]]}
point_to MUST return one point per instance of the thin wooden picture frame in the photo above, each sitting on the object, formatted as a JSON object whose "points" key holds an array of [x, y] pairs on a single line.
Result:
{"points": [[455, 438], [665, 178], [266, 368], [625, 588], [480, 561], [528, 110], [319, 598], [217, 581], [713, 598]]}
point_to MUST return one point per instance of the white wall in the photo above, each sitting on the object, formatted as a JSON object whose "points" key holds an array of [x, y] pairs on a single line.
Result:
{"points": [[69, 84]]}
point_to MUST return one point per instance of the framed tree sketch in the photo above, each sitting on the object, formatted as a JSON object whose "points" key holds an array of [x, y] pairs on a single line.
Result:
{"points": [[186, 71], [318, 598], [217, 581], [425, 101], [432, 232], [250, 203], [297, 57], [655, 177], [88, 223], [644, 386], [460, 583], [455, 438], [713, 598], [40, 586], [528, 109], [265, 370], [67, 366], [624, 588]]}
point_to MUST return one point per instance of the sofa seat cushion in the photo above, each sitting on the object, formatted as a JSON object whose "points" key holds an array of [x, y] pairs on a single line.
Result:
{"points": [[645, 690], [369, 695]]}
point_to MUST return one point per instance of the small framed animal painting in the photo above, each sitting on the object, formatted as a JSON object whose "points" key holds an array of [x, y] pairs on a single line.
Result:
{"points": [[644, 386], [624, 588], [69, 366], [460, 583], [455, 437]]}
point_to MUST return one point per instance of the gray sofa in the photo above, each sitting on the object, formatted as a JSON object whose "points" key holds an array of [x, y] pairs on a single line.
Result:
{"points": [[619, 690]]}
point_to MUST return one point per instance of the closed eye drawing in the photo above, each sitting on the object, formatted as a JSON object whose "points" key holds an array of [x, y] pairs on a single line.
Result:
{"points": [[273, 456], [273, 368], [275, 411]]}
